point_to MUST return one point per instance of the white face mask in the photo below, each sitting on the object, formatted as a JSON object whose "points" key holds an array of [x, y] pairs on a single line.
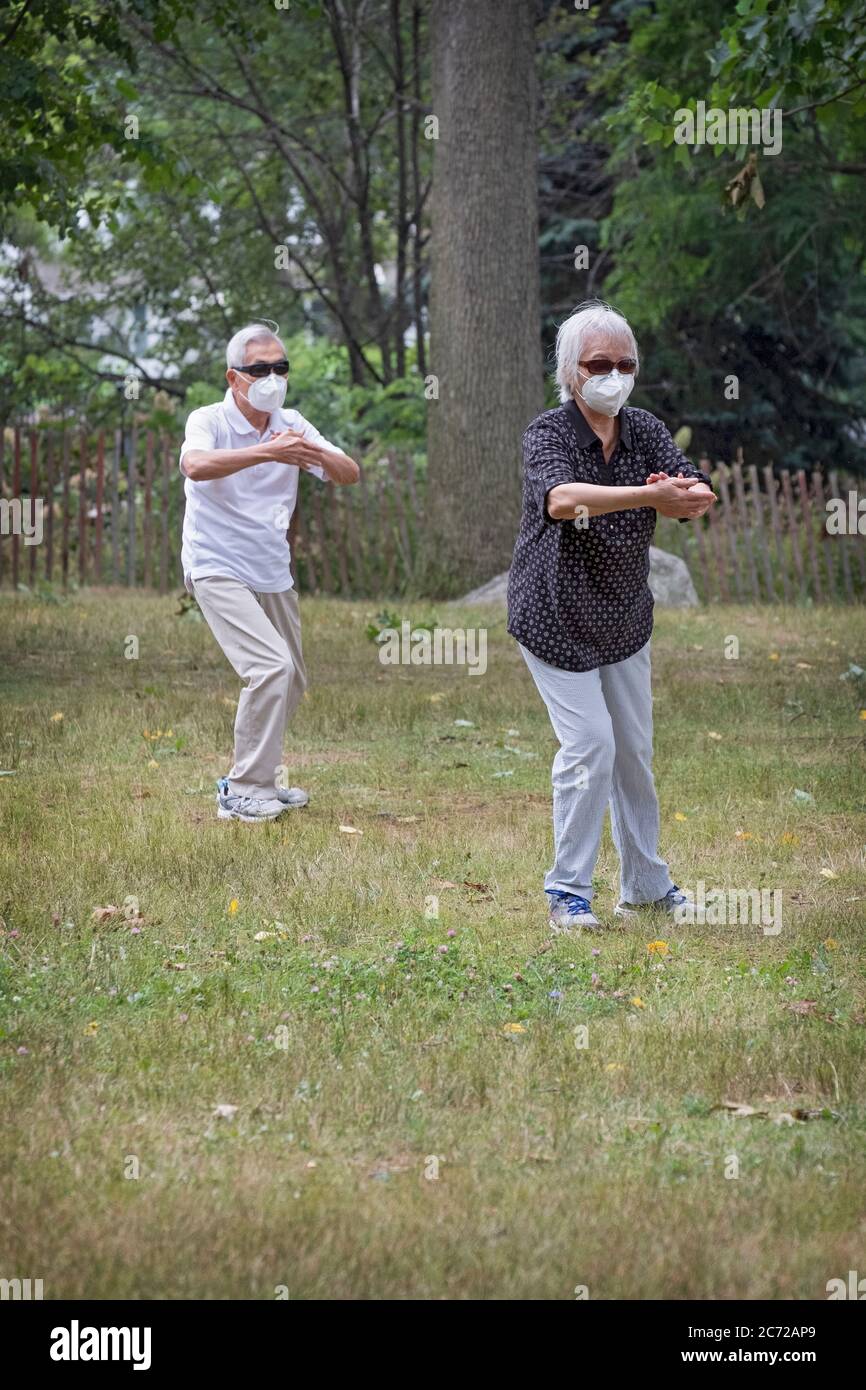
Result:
{"points": [[607, 394], [267, 392]]}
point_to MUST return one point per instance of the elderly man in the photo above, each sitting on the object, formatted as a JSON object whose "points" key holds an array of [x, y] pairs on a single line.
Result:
{"points": [[596, 472], [241, 459]]}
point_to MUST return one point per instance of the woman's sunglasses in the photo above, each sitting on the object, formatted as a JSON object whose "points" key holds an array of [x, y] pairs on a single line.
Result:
{"points": [[265, 368], [600, 366]]}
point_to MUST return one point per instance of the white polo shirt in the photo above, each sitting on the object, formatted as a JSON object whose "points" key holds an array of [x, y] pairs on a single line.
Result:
{"points": [[237, 525]]}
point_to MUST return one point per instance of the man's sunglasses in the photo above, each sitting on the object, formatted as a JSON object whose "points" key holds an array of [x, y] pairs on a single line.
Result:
{"points": [[265, 368], [600, 366]]}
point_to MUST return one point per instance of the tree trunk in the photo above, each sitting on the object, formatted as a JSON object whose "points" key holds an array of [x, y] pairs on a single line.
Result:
{"points": [[484, 301]]}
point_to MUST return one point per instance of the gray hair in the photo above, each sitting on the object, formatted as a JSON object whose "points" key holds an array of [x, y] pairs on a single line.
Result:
{"points": [[594, 316], [252, 333]]}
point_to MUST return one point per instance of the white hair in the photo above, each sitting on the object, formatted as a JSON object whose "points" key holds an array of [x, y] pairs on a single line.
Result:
{"points": [[252, 333], [592, 317]]}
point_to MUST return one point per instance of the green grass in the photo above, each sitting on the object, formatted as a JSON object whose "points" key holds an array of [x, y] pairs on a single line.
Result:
{"points": [[355, 1049]]}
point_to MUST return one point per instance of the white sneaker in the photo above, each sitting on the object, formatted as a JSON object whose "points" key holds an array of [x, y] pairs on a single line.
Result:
{"points": [[676, 903], [246, 808], [293, 796]]}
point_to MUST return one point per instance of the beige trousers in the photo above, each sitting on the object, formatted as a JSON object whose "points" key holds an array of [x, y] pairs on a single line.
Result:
{"points": [[260, 635]]}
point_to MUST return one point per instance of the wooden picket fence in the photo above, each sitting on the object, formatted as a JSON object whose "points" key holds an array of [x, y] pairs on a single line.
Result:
{"points": [[113, 510], [766, 538]]}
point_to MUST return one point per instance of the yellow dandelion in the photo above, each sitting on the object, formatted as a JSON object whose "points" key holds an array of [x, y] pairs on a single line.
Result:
{"points": [[514, 1028], [233, 907], [774, 656], [657, 948], [91, 1028], [831, 943], [742, 834], [863, 714], [789, 839], [638, 1002], [678, 815], [614, 1066]]}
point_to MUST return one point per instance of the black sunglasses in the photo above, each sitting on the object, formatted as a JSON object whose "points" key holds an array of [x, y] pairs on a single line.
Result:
{"points": [[265, 368], [600, 366]]}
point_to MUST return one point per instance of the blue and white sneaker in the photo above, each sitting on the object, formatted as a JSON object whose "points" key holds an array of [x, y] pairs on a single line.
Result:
{"points": [[677, 903], [569, 912], [246, 808]]}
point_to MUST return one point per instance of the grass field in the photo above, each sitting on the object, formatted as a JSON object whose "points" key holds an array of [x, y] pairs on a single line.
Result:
{"points": [[273, 1073]]}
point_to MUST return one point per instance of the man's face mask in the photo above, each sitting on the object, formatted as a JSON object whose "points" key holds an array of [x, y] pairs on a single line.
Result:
{"points": [[268, 384]]}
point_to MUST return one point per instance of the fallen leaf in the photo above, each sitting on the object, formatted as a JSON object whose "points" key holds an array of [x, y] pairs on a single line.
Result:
{"points": [[738, 1109], [350, 830], [802, 1006], [102, 914], [225, 1112]]}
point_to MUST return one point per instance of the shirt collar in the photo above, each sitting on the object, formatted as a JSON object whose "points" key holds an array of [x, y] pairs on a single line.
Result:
{"points": [[584, 432], [239, 422]]}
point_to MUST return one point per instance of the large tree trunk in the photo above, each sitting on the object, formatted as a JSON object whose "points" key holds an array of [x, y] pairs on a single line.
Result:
{"points": [[484, 301]]}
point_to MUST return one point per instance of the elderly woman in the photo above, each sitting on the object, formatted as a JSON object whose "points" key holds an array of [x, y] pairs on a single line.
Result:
{"points": [[596, 471]]}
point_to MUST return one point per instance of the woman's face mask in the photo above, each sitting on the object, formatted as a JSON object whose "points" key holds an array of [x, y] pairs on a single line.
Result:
{"points": [[607, 394]]}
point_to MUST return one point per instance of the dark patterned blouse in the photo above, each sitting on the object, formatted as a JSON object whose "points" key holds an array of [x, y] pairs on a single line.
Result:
{"points": [[578, 595]]}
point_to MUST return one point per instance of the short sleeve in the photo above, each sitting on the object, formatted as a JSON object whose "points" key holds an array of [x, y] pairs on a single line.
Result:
{"points": [[311, 434], [199, 434], [547, 463]]}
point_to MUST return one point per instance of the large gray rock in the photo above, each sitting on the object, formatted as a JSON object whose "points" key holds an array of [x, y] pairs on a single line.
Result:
{"points": [[669, 580]]}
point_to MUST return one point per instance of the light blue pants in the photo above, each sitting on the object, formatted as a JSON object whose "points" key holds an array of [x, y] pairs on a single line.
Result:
{"points": [[603, 720]]}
